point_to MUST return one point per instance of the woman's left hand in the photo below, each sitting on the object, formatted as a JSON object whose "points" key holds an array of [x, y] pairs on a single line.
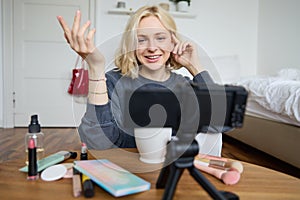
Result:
{"points": [[186, 54]]}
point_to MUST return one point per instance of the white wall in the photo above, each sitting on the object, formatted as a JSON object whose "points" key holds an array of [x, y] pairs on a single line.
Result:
{"points": [[1, 70], [278, 35], [255, 36], [226, 30]]}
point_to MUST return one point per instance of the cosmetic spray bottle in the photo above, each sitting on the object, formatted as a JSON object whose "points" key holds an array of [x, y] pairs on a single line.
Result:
{"points": [[34, 132]]}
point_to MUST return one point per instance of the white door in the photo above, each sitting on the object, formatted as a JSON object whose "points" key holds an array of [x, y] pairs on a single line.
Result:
{"points": [[43, 62]]}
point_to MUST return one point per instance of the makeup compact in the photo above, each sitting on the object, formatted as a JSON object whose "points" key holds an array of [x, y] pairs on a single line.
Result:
{"points": [[54, 173]]}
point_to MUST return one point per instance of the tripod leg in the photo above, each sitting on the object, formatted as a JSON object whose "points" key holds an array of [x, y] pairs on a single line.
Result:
{"points": [[163, 177], [209, 188], [172, 181]]}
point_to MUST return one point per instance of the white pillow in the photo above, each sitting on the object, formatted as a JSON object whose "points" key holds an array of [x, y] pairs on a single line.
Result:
{"points": [[289, 74]]}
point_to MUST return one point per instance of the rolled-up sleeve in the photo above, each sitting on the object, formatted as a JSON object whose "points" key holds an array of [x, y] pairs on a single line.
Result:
{"points": [[94, 132], [99, 130], [203, 77]]}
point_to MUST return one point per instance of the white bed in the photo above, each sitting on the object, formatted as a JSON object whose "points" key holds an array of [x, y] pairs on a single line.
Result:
{"points": [[272, 121], [256, 110]]}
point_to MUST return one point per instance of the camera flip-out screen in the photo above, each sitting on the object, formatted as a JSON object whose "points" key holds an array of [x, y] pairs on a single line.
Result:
{"points": [[189, 108]]}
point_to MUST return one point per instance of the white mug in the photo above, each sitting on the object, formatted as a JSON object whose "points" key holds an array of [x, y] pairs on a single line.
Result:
{"points": [[152, 143]]}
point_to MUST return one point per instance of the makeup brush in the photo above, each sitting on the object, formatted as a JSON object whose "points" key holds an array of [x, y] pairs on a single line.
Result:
{"points": [[222, 163], [230, 177], [211, 157]]}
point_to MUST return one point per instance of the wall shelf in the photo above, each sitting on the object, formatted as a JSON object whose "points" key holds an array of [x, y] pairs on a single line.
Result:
{"points": [[183, 14], [122, 11]]}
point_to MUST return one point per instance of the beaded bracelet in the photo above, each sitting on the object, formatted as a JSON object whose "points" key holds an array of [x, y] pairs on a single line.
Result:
{"points": [[101, 79], [99, 92]]}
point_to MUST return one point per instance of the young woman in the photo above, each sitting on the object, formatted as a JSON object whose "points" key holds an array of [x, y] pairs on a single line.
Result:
{"points": [[150, 49]]}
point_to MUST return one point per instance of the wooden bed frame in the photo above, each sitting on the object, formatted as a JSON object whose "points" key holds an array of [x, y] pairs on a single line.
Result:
{"points": [[277, 139]]}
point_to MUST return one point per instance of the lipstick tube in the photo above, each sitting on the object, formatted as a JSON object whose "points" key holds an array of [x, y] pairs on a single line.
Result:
{"points": [[32, 162], [87, 184], [83, 154]]}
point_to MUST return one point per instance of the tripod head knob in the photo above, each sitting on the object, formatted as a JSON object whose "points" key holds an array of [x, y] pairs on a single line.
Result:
{"points": [[182, 148]]}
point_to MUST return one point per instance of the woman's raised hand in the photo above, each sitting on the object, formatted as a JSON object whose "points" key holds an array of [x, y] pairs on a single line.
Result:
{"points": [[82, 43], [186, 54]]}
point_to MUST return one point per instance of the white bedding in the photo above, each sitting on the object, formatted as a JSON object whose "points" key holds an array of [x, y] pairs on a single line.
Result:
{"points": [[256, 110], [279, 94]]}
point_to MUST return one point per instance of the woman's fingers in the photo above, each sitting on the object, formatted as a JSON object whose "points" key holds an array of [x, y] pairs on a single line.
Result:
{"points": [[179, 47], [62, 23], [79, 41], [174, 38], [76, 22], [80, 36], [186, 47], [65, 27], [90, 39], [176, 43], [66, 37], [75, 29]]}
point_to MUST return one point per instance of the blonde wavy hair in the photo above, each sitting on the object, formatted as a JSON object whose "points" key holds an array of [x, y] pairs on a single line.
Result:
{"points": [[125, 58]]}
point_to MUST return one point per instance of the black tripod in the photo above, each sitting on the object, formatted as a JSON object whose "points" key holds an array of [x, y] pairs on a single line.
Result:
{"points": [[170, 174]]}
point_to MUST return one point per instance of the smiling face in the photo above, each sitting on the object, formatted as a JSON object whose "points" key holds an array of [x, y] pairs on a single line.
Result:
{"points": [[154, 44]]}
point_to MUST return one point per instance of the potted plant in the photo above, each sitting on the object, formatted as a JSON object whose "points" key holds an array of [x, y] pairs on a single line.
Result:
{"points": [[188, 1], [182, 5]]}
